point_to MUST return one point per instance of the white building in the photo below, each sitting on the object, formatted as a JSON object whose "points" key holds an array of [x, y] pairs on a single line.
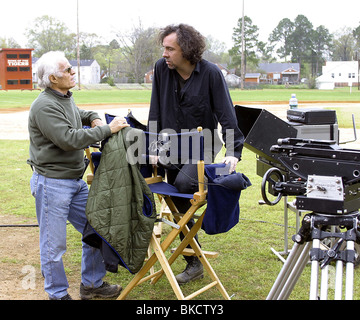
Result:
{"points": [[231, 79], [89, 71], [338, 74]]}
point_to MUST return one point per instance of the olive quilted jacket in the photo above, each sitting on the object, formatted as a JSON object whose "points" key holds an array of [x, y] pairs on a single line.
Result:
{"points": [[121, 207]]}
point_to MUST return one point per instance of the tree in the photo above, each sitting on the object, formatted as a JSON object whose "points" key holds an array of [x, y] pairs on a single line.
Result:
{"points": [[111, 61], [88, 45], [214, 49], [300, 40], [356, 34], [251, 34], [140, 50], [265, 52], [50, 34], [8, 43], [280, 37], [344, 45], [302, 43], [321, 43]]}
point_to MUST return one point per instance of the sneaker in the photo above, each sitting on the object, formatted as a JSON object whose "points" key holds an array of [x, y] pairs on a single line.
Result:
{"points": [[194, 270], [104, 291], [66, 297]]}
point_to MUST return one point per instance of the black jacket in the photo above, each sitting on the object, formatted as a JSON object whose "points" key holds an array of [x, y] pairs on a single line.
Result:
{"points": [[203, 101]]}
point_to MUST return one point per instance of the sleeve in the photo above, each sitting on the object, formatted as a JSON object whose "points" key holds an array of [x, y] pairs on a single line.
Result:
{"points": [[154, 119], [55, 126], [88, 116], [225, 113]]}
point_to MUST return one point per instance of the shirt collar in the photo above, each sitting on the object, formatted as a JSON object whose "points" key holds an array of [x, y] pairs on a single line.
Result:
{"points": [[197, 67], [68, 95]]}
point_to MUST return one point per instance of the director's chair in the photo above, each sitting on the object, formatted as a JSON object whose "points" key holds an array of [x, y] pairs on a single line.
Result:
{"points": [[158, 185], [198, 199]]}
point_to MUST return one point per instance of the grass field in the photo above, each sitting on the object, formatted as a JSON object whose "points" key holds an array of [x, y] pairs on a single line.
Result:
{"points": [[20, 99], [246, 265]]}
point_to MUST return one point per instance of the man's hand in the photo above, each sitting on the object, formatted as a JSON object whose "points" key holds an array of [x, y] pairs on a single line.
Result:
{"points": [[96, 122], [117, 124], [153, 160], [232, 161]]}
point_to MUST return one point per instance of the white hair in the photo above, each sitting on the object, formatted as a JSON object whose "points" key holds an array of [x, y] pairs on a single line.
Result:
{"points": [[48, 65]]}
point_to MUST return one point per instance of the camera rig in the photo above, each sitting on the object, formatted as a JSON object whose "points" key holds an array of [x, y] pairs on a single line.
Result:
{"points": [[324, 177], [301, 157]]}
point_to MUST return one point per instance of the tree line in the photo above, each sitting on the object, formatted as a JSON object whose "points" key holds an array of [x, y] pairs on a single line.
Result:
{"points": [[295, 41], [133, 53]]}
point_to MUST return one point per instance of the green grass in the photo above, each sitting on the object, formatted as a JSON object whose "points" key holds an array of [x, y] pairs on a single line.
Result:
{"points": [[15, 177], [344, 116], [246, 265], [19, 99], [303, 95]]}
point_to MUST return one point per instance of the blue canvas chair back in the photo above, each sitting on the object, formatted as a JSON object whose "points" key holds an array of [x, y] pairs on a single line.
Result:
{"points": [[224, 190], [185, 147]]}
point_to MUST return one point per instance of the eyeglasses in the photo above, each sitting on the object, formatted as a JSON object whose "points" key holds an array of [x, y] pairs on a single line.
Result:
{"points": [[68, 70]]}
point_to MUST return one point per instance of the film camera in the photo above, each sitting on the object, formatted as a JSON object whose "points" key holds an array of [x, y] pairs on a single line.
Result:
{"points": [[301, 157]]}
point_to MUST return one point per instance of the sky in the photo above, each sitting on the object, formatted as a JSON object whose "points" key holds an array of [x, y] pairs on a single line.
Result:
{"points": [[210, 17]]}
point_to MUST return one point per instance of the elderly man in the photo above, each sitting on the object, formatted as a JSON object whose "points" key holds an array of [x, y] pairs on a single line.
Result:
{"points": [[57, 142], [189, 92]]}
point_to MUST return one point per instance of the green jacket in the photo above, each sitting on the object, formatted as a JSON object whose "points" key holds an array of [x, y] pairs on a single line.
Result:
{"points": [[121, 208]]}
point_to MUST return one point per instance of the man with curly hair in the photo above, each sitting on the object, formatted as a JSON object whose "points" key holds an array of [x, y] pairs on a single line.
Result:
{"points": [[189, 92]]}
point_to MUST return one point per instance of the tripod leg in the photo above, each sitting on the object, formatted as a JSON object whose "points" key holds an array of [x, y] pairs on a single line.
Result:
{"points": [[314, 273], [283, 277], [338, 280], [324, 283], [296, 273], [349, 274]]}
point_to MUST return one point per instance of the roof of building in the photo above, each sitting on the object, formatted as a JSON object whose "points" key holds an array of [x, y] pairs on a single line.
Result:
{"points": [[83, 63], [278, 67], [252, 75], [15, 49]]}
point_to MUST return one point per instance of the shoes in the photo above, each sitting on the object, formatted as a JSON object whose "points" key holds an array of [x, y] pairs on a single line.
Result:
{"points": [[194, 270], [66, 297], [104, 291]]}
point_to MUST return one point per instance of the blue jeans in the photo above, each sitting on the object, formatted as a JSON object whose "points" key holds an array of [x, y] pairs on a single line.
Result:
{"points": [[59, 200]]}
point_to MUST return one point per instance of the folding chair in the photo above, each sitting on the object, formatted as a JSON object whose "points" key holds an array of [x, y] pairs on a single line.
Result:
{"points": [[198, 199], [166, 191]]}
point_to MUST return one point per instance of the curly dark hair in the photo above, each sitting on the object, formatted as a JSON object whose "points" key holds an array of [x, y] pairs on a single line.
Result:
{"points": [[191, 41]]}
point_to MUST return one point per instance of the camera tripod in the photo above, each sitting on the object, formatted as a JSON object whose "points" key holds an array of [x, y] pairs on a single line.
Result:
{"points": [[318, 227]]}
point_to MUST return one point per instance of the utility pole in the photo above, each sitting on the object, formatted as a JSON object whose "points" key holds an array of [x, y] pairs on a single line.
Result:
{"points": [[358, 61], [78, 45], [243, 48]]}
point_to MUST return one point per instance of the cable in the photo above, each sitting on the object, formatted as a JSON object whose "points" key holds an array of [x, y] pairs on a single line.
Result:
{"points": [[261, 221], [18, 225]]}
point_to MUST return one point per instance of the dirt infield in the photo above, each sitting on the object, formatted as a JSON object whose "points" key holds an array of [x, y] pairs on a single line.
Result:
{"points": [[13, 122]]}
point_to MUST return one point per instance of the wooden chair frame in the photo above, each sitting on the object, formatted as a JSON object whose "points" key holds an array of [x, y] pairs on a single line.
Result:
{"points": [[160, 247]]}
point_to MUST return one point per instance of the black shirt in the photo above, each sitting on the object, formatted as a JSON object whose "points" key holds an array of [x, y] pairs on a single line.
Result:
{"points": [[203, 101]]}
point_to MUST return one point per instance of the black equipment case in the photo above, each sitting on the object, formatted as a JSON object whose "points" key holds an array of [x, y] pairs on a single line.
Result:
{"points": [[312, 116]]}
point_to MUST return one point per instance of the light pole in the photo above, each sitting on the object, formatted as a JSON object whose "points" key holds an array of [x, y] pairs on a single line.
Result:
{"points": [[243, 48], [78, 45]]}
